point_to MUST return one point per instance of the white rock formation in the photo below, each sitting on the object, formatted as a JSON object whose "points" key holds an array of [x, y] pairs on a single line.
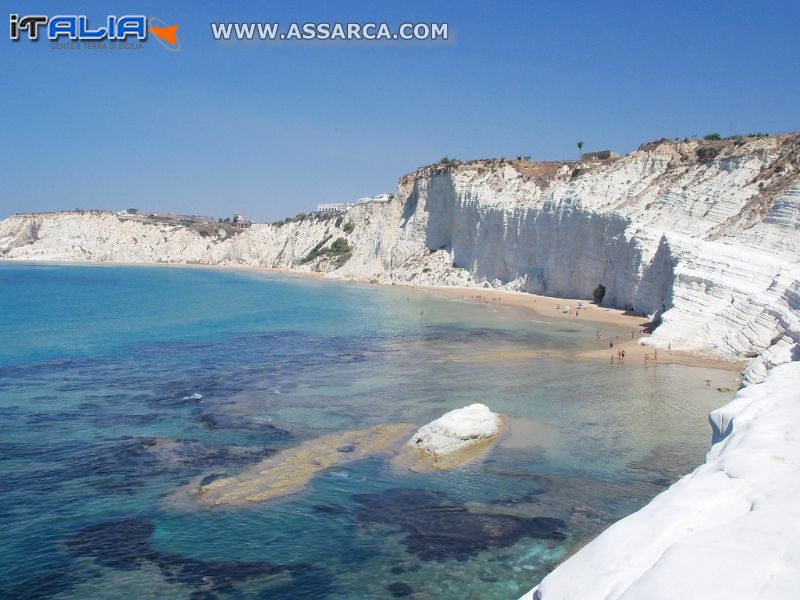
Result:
{"points": [[704, 236], [730, 529], [457, 430]]}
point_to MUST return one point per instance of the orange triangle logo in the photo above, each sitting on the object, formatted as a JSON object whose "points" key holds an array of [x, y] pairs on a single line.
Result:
{"points": [[168, 34]]}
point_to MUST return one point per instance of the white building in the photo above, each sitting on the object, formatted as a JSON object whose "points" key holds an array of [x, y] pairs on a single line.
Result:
{"points": [[332, 208], [240, 221], [340, 207]]}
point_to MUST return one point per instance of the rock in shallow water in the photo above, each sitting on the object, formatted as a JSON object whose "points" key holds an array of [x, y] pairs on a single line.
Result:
{"points": [[290, 470], [457, 429], [447, 440]]}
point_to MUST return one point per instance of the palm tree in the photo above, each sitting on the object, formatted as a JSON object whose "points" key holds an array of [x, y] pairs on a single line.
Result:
{"points": [[580, 149]]}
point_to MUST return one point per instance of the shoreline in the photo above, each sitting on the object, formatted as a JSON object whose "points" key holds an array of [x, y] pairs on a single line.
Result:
{"points": [[553, 308], [546, 307]]}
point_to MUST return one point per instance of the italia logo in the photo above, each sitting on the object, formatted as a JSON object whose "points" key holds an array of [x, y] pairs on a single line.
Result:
{"points": [[78, 28]]}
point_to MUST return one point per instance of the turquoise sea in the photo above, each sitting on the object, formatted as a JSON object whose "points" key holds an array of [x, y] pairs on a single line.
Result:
{"points": [[120, 384]]}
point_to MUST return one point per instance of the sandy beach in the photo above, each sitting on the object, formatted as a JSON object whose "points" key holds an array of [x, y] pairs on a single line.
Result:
{"points": [[571, 309]]}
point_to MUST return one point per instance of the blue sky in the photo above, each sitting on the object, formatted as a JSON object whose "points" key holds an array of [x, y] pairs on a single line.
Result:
{"points": [[270, 129]]}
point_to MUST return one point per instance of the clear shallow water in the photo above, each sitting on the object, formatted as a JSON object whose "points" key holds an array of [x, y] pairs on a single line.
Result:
{"points": [[98, 365]]}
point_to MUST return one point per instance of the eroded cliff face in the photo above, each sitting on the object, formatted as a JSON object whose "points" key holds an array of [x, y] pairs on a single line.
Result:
{"points": [[703, 236]]}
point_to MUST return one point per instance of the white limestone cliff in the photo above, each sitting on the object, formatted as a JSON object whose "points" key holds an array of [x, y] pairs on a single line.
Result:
{"points": [[730, 529], [703, 236]]}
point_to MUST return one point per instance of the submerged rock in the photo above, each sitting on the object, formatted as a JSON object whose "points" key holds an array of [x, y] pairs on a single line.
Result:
{"points": [[446, 440], [290, 470]]}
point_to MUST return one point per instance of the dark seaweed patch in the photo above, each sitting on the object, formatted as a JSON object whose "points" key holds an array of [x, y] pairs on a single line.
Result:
{"points": [[46, 586], [203, 595], [332, 509], [121, 543], [105, 419], [218, 421], [131, 463], [124, 544], [437, 528], [219, 577], [398, 589]]}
